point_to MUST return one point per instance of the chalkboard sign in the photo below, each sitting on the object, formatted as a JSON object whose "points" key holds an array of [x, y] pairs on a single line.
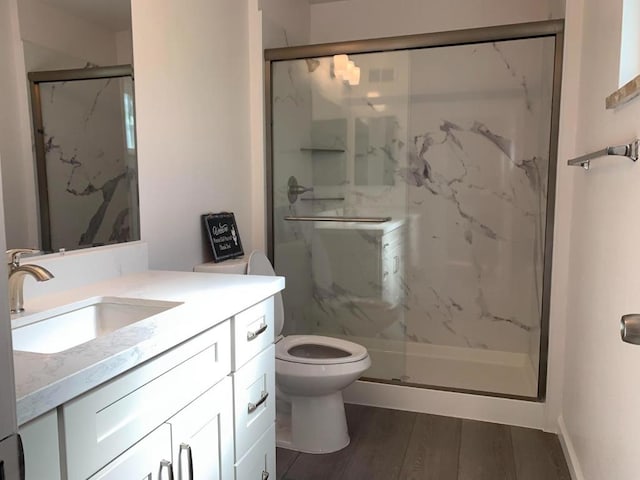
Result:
{"points": [[223, 235]]}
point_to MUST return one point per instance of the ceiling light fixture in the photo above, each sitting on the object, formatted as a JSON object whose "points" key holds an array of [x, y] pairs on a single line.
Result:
{"points": [[346, 69]]}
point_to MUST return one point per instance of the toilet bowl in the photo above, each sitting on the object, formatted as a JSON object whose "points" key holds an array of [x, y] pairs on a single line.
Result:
{"points": [[311, 372]]}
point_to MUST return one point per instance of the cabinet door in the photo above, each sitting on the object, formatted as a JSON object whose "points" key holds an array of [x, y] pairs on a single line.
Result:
{"points": [[143, 460], [9, 463], [260, 461], [41, 450], [202, 436], [104, 422]]}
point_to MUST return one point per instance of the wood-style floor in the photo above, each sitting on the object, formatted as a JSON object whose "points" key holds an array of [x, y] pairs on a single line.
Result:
{"points": [[391, 444]]}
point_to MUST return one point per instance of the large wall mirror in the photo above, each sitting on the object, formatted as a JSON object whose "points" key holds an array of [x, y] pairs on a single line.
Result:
{"points": [[78, 62]]}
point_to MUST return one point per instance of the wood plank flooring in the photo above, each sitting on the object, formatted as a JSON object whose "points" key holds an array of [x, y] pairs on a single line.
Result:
{"points": [[391, 444]]}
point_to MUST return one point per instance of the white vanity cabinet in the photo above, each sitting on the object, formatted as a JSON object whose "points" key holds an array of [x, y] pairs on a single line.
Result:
{"points": [[254, 396], [204, 409], [104, 422], [200, 436], [41, 448], [191, 445], [148, 459]]}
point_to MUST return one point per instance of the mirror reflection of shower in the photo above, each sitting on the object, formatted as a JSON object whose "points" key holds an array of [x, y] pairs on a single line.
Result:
{"points": [[84, 124]]}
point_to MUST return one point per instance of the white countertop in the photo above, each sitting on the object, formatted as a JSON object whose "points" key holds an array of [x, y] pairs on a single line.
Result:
{"points": [[46, 381]]}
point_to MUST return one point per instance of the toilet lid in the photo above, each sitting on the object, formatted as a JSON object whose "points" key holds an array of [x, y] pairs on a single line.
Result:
{"points": [[259, 264], [318, 350]]}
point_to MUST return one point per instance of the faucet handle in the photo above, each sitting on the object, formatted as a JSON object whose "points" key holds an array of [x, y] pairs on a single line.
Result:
{"points": [[14, 254]]}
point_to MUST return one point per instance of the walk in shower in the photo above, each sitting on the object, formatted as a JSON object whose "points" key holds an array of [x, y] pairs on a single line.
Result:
{"points": [[411, 184]]}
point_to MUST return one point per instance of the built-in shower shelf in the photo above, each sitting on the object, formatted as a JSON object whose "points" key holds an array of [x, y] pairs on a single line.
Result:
{"points": [[322, 149]]}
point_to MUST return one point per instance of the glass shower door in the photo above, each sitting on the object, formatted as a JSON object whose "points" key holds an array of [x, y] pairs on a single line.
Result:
{"points": [[410, 208], [341, 250]]}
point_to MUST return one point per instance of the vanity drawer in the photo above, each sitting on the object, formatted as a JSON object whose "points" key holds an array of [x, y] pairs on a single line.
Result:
{"points": [[252, 332], [260, 461], [254, 400], [104, 422]]}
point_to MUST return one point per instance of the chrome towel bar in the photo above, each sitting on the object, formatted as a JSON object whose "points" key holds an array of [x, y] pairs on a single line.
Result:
{"points": [[323, 218], [629, 150]]}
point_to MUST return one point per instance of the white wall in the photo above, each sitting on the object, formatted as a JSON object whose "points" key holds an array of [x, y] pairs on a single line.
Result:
{"points": [[361, 19], [192, 105], [600, 408], [285, 23], [21, 218], [45, 25]]}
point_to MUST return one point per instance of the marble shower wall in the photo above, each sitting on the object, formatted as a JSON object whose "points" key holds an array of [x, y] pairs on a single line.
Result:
{"points": [[478, 167], [291, 106], [458, 151], [92, 173]]}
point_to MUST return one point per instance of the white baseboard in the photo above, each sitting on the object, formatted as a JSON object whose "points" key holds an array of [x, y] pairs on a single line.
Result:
{"points": [[462, 405], [569, 452]]}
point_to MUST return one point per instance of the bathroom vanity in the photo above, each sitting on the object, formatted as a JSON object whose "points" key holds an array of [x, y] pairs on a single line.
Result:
{"points": [[188, 391]]}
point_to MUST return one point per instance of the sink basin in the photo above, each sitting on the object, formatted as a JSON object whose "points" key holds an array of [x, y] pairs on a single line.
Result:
{"points": [[84, 321]]}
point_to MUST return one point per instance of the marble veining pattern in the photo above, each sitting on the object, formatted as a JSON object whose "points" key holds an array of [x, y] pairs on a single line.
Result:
{"points": [[89, 168], [469, 154]]}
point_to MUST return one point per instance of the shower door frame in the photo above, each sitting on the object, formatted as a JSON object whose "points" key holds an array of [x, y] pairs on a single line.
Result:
{"points": [[518, 31]]}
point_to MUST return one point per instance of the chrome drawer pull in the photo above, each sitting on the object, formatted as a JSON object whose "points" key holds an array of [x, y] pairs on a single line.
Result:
{"points": [[259, 331], [187, 447], [265, 475], [252, 407], [165, 464]]}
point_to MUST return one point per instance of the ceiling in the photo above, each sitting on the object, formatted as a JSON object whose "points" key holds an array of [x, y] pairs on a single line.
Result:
{"points": [[114, 15]]}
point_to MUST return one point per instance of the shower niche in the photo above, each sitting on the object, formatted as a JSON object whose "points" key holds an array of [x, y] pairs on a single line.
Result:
{"points": [[328, 152]]}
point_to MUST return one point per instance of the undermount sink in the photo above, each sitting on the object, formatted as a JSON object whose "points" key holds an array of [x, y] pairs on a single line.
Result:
{"points": [[80, 322]]}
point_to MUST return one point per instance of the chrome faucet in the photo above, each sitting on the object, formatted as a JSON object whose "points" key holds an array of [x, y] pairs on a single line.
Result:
{"points": [[17, 273]]}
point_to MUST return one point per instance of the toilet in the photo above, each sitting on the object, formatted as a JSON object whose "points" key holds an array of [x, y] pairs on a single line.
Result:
{"points": [[311, 372]]}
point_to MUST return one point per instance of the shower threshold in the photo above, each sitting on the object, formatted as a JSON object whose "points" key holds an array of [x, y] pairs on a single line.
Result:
{"points": [[451, 368]]}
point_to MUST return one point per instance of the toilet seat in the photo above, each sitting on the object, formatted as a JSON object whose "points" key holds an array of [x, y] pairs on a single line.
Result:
{"points": [[320, 351]]}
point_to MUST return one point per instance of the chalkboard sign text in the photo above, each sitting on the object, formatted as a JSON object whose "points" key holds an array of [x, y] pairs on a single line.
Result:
{"points": [[223, 235]]}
